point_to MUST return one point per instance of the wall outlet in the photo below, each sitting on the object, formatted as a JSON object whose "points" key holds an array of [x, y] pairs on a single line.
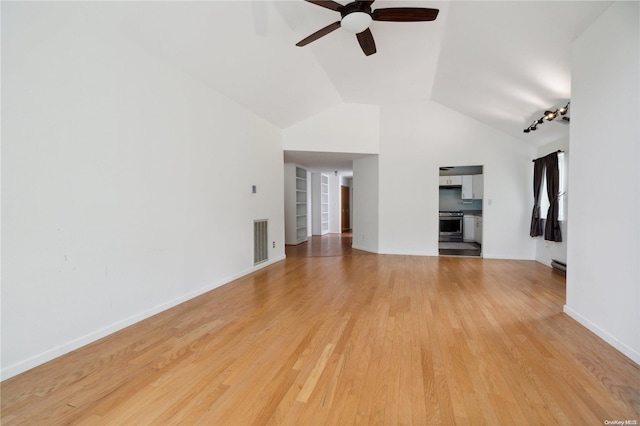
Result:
{"points": [[274, 244]]}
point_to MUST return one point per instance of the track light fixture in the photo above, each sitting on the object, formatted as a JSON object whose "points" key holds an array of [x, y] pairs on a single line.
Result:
{"points": [[549, 116], [564, 109]]}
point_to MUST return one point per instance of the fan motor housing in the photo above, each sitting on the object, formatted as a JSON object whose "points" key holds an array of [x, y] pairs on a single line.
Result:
{"points": [[355, 7]]}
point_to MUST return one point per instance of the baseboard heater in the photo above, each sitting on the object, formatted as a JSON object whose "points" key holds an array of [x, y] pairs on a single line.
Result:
{"points": [[559, 266]]}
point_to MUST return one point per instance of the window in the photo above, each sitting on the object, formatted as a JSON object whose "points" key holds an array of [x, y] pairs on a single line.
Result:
{"points": [[544, 199]]}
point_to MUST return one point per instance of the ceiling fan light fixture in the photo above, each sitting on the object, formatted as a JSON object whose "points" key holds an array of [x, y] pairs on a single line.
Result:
{"points": [[356, 22], [356, 17]]}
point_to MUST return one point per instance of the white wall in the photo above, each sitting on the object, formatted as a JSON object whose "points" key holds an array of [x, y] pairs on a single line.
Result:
{"points": [[546, 251], [126, 184], [603, 277], [365, 206], [344, 128], [415, 140]]}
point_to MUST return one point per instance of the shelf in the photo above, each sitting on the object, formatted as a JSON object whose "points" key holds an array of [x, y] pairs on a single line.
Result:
{"points": [[319, 203], [301, 184], [296, 199]]}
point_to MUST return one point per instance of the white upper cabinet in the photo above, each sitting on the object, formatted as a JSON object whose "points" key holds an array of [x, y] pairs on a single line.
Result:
{"points": [[467, 187], [472, 187], [450, 180], [478, 187]]}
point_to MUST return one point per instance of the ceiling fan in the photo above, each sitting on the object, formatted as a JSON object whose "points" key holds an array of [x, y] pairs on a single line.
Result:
{"points": [[357, 16]]}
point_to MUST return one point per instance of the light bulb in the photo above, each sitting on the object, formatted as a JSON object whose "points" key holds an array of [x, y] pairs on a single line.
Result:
{"points": [[356, 22]]}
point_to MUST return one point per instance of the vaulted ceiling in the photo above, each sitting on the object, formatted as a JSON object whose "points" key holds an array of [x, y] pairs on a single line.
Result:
{"points": [[500, 62]]}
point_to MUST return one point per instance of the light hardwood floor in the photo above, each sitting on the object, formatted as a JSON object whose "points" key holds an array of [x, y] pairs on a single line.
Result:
{"points": [[357, 339]]}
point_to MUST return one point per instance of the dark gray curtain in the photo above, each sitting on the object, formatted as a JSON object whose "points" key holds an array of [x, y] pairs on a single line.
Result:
{"points": [[536, 222], [552, 225]]}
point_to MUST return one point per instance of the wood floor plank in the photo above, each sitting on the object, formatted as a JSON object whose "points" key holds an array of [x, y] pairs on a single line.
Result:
{"points": [[322, 338]]}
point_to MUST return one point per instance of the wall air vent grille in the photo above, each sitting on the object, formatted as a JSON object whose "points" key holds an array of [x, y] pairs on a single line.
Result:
{"points": [[260, 241]]}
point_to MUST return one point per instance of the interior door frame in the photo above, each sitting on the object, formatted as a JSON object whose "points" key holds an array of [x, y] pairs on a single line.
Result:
{"points": [[345, 208]]}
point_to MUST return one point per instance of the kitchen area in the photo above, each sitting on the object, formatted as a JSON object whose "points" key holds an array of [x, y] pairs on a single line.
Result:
{"points": [[461, 191]]}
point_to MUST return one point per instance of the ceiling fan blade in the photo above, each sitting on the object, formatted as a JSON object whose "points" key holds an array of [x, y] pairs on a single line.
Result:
{"points": [[365, 39], [367, 2], [320, 33], [404, 14], [329, 4]]}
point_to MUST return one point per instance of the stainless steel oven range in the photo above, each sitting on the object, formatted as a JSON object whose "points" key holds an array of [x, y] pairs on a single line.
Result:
{"points": [[450, 226]]}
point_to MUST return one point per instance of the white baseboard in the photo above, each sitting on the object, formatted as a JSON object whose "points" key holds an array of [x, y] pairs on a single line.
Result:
{"points": [[410, 253], [543, 261], [595, 329], [370, 250], [74, 344], [507, 257]]}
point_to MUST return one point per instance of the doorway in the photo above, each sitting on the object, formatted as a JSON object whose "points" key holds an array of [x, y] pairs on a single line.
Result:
{"points": [[461, 191], [345, 208]]}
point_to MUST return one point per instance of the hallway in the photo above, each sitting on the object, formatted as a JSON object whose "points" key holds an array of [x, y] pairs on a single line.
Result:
{"points": [[324, 246]]}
